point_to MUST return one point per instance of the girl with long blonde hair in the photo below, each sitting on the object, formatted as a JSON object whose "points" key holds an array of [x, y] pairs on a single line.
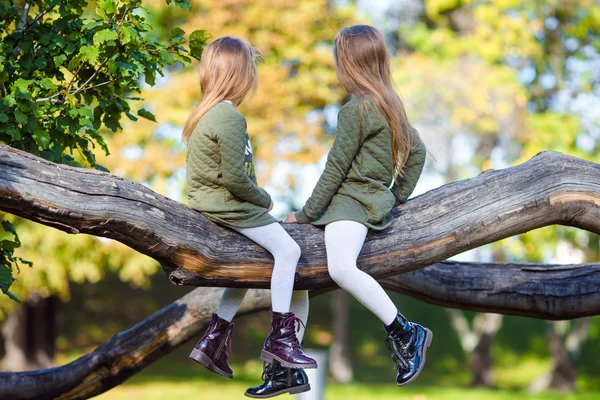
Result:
{"points": [[222, 185], [374, 164]]}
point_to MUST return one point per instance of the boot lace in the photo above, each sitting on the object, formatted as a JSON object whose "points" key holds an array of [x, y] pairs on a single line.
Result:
{"points": [[268, 370], [398, 353], [291, 321]]}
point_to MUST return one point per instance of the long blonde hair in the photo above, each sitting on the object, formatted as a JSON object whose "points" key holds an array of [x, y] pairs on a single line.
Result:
{"points": [[227, 72], [363, 67]]}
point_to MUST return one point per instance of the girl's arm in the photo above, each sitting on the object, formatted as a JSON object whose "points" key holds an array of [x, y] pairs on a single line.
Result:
{"points": [[412, 169], [232, 143], [342, 153]]}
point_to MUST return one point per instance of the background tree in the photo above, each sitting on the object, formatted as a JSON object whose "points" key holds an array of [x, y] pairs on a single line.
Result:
{"points": [[68, 73]]}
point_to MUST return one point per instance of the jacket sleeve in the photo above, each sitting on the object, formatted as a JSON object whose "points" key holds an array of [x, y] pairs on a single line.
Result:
{"points": [[412, 169], [232, 145], [342, 153]]}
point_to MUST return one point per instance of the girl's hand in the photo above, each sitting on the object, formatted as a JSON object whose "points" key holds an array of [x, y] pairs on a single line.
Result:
{"points": [[271, 206], [291, 218]]}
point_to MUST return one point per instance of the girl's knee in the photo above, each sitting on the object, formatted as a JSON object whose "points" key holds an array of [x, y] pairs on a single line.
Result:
{"points": [[339, 272], [291, 251]]}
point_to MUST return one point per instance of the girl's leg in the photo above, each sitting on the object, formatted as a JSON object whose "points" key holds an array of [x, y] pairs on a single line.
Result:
{"points": [[230, 302], [344, 241], [299, 307], [286, 254], [407, 341], [282, 344]]}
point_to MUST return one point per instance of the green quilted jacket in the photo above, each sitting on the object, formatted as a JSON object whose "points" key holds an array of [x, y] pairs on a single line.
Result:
{"points": [[355, 184], [220, 172]]}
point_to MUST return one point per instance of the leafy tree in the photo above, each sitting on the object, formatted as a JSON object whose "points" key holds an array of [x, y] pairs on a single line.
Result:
{"points": [[68, 74]]}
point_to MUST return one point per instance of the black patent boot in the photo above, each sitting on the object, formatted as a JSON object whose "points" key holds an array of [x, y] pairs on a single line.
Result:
{"points": [[279, 380], [408, 343]]}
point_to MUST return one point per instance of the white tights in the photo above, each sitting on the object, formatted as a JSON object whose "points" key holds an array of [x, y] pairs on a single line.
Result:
{"points": [[344, 241], [286, 254]]}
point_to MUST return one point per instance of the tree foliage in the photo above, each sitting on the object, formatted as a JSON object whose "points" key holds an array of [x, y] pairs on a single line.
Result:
{"points": [[68, 75]]}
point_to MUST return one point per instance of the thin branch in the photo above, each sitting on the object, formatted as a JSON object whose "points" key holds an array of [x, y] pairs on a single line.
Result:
{"points": [[94, 74], [21, 27], [75, 74]]}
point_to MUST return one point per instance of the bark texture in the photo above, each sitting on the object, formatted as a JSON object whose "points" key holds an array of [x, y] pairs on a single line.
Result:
{"points": [[551, 188]]}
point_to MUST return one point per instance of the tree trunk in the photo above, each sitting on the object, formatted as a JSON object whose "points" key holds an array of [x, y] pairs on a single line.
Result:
{"points": [[476, 340], [486, 326], [340, 365], [564, 370], [30, 333], [566, 340], [482, 363]]}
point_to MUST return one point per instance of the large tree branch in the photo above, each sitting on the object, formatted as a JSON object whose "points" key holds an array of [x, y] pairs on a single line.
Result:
{"points": [[531, 290], [128, 352], [551, 188]]}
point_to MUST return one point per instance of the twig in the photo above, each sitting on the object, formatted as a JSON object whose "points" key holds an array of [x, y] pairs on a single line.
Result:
{"points": [[36, 19], [75, 74], [100, 84], [22, 27], [53, 100], [95, 73]]}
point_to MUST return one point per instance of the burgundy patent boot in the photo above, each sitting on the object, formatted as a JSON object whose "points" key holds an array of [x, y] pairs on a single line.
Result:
{"points": [[282, 345], [214, 347]]}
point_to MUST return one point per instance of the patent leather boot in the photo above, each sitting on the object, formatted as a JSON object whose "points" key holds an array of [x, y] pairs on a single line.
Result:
{"points": [[279, 380], [282, 345], [408, 343], [214, 347]]}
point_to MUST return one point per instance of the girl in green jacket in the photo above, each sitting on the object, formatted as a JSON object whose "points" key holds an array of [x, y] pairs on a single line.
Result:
{"points": [[222, 185], [375, 162]]}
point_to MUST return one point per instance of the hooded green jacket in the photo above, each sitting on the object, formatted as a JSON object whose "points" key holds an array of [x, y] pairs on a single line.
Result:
{"points": [[355, 184], [221, 181]]}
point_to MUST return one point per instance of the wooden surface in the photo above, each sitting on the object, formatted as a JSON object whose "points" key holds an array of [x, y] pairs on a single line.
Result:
{"points": [[551, 188]]}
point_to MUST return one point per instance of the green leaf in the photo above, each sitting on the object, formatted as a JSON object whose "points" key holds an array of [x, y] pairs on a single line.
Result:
{"points": [[92, 25], [47, 83], [90, 52], [8, 227], [3, 76], [128, 34], [177, 36], [131, 116], [198, 41], [3, 118], [104, 36], [59, 60], [167, 57], [12, 296], [183, 4], [21, 85], [41, 63], [20, 116], [42, 138], [105, 8], [146, 114], [101, 168]]}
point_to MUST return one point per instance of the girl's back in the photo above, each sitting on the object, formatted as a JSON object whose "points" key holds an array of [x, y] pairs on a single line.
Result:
{"points": [[221, 180]]}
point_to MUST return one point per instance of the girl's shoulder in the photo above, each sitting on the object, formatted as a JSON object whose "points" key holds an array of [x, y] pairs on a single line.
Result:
{"points": [[223, 113]]}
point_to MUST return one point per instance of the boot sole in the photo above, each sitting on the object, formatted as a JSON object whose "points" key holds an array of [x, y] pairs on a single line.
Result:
{"points": [[429, 336], [205, 360], [292, 390], [269, 357]]}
